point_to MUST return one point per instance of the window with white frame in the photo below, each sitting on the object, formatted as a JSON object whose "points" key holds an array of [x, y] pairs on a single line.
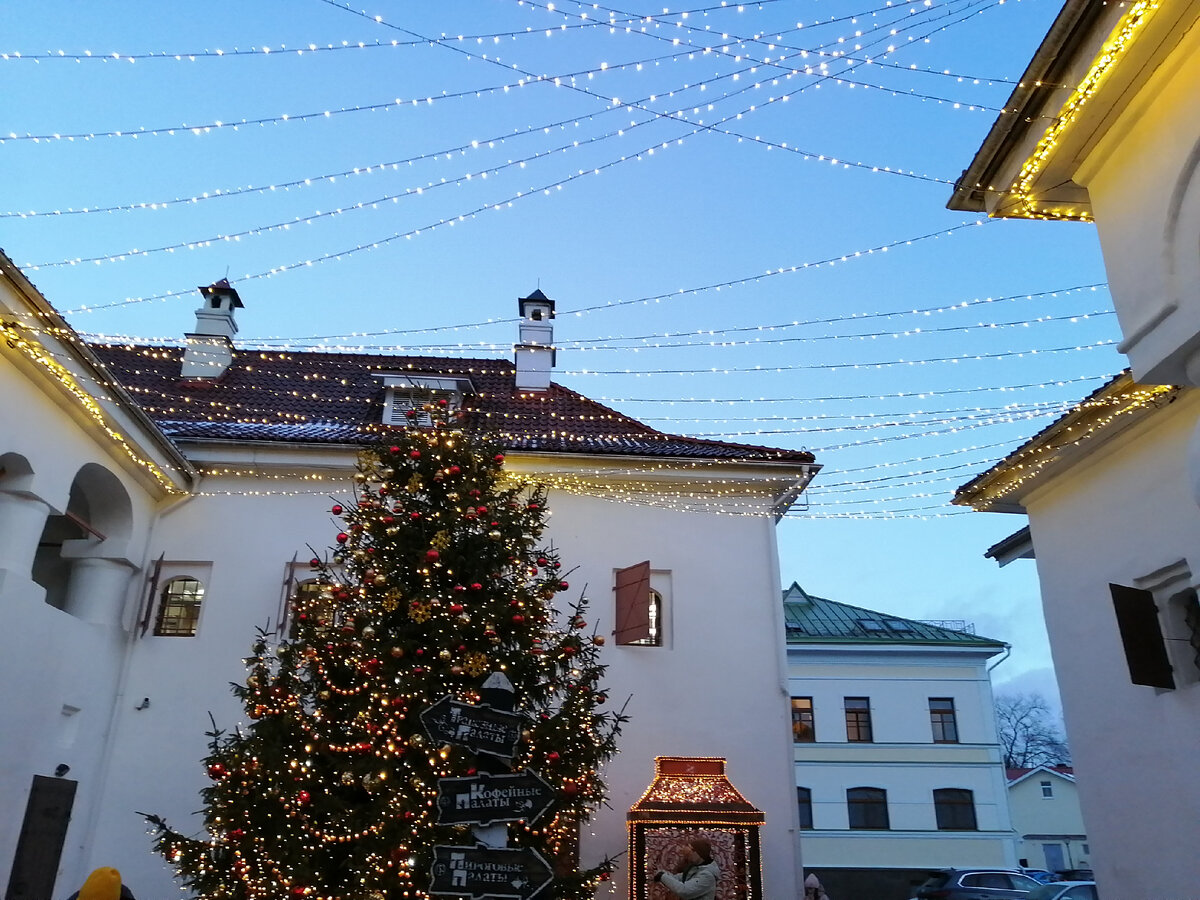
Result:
{"points": [[406, 396], [179, 602]]}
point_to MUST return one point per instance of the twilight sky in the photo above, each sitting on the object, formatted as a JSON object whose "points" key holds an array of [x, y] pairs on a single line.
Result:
{"points": [[738, 208]]}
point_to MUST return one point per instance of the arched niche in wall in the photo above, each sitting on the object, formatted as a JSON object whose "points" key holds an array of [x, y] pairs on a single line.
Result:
{"points": [[96, 524]]}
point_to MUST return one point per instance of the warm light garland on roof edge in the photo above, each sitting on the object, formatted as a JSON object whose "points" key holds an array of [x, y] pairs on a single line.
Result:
{"points": [[1109, 56], [37, 354], [1076, 428]]}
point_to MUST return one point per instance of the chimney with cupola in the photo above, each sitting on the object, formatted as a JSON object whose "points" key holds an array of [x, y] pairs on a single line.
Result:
{"points": [[209, 349], [534, 354]]}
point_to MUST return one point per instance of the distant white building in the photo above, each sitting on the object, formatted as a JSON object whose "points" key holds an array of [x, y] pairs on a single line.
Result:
{"points": [[897, 761], [1044, 802], [157, 505]]}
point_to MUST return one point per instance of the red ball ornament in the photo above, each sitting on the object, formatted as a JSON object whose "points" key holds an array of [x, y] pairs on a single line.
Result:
{"points": [[568, 650], [456, 608], [394, 449], [443, 402], [571, 789], [532, 506], [542, 561], [315, 563], [552, 756], [236, 834], [476, 586], [518, 619], [342, 537], [217, 771], [388, 520], [415, 454], [454, 470], [563, 585], [299, 891], [481, 510], [337, 510], [303, 797], [414, 515], [458, 589], [498, 458], [432, 555]]}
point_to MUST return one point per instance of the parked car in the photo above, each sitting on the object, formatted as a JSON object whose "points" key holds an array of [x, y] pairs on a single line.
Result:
{"points": [[1065, 890], [976, 884]]}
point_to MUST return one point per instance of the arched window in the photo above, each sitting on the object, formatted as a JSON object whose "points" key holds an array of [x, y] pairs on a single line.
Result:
{"points": [[179, 608], [868, 808], [804, 805], [955, 808]]}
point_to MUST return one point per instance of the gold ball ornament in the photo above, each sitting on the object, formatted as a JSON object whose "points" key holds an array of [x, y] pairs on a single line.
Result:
{"points": [[494, 535]]}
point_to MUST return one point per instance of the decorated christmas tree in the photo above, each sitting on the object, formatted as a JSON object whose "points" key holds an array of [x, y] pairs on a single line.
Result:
{"points": [[432, 720]]}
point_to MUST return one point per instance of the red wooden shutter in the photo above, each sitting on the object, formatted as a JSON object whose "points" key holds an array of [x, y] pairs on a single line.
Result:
{"points": [[1137, 620], [633, 604]]}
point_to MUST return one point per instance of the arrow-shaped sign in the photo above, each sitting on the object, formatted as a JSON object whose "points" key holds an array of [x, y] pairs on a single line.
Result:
{"points": [[482, 799], [483, 872], [477, 727]]}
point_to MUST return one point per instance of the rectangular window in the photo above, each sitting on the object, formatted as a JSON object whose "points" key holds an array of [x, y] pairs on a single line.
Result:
{"points": [[945, 724], [804, 805], [955, 809], [179, 608], [1047, 789], [858, 719], [867, 808], [639, 608], [803, 730]]}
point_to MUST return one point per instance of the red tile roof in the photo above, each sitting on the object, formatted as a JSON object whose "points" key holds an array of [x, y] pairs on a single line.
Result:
{"points": [[335, 398]]}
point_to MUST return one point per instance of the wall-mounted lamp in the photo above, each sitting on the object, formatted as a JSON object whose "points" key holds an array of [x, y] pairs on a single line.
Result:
{"points": [[61, 769], [145, 704]]}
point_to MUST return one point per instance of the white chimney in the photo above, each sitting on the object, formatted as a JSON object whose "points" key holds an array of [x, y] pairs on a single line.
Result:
{"points": [[209, 350], [534, 354]]}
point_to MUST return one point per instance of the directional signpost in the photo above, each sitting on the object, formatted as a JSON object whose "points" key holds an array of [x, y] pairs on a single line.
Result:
{"points": [[482, 799], [480, 728], [482, 872]]}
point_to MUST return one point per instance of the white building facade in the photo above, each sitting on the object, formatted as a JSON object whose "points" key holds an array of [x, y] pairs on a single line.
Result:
{"points": [[116, 695], [1104, 127], [897, 761], [1044, 802]]}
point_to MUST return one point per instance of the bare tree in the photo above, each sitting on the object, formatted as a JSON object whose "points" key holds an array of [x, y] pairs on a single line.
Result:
{"points": [[1029, 733]]}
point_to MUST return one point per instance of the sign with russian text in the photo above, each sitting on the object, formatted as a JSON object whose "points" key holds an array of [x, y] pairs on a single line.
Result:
{"points": [[482, 799], [483, 872]]}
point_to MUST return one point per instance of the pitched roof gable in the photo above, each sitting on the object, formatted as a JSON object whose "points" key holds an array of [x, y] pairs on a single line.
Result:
{"points": [[1016, 775], [336, 398], [809, 620]]}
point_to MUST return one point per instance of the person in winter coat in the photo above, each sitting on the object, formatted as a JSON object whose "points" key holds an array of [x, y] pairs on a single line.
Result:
{"points": [[698, 880], [103, 884], [813, 889]]}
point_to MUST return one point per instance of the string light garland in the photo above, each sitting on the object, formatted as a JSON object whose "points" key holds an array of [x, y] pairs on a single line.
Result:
{"points": [[1024, 201], [15, 339], [1120, 399], [612, 304]]}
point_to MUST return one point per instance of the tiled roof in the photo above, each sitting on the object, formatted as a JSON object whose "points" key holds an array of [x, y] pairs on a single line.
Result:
{"points": [[328, 397], [810, 620], [1016, 774]]}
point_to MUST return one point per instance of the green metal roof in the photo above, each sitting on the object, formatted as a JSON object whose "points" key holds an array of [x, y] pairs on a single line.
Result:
{"points": [[811, 620]]}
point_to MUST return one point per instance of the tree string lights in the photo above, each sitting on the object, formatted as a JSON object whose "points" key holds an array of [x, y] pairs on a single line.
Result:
{"points": [[437, 581]]}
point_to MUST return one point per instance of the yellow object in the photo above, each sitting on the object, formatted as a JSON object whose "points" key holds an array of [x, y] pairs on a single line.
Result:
{"points": [[103, 884]]}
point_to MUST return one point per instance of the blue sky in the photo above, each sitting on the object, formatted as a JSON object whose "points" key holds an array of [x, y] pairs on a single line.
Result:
{"points": [[742, 222]]}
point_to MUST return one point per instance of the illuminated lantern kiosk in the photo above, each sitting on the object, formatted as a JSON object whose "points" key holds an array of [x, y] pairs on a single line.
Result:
{"points": [[690, 797]]}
